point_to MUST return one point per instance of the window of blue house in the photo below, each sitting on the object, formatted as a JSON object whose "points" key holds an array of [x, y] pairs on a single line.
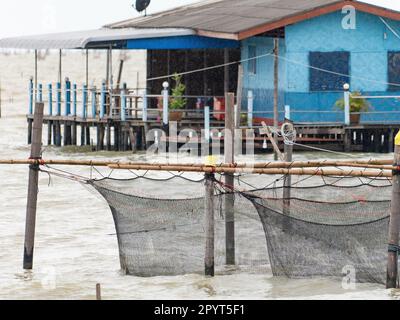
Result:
{"points": [[394, 71], [252, 62], [337, 62]]}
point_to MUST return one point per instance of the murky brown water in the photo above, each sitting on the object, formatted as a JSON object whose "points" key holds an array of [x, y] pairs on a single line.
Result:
{"points": [[75, 248]]}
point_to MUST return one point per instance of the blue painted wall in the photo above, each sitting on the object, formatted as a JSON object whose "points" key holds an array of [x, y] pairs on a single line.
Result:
{"points": [[262, 83], [368, 45]]}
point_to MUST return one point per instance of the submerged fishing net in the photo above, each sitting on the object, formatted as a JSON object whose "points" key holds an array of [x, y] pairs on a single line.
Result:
{"points": [[161, 226], [323, 228]]}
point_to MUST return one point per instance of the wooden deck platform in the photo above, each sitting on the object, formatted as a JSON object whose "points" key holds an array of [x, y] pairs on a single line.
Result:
{"points": [[115, 135]]}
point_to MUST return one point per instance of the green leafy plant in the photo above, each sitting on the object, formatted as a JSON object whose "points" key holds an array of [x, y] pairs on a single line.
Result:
{"points": [[177, 100], [357, 105]]}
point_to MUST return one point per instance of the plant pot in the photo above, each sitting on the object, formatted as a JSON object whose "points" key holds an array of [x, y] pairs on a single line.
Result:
{"points": [[355, 118], [175, 116]]}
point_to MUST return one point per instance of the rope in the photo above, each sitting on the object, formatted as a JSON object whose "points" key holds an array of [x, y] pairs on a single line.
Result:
{"points": [[325, 150]]}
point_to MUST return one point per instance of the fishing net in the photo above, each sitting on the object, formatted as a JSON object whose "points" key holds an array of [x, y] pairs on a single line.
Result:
{"points": [[160, 226], [317, 228], [308, 238]]}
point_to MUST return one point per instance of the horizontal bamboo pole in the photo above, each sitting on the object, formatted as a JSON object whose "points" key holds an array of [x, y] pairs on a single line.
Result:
{"points": [[295, 171], [373, 164], [283, 168]]}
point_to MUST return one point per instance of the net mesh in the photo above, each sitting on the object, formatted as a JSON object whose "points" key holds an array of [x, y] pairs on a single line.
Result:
{"points": [[161, 234], [317, 228]]}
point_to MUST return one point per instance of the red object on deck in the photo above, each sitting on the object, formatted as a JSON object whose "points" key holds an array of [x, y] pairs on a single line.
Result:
{"points": [[219, 108], [268, 121]]}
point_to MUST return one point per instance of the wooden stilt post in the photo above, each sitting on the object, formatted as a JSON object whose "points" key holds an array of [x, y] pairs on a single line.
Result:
{"points": [[108, 137], [210, 226], [33, 188], [116, 136], [391, 140], [98, 137], [394, 227], [82, 134], [58, 133], [49, 132], [276, 91], [229, 142], [88, 141]]}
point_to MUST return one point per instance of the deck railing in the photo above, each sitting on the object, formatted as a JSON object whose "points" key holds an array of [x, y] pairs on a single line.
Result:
{"points": [[125, 104]]}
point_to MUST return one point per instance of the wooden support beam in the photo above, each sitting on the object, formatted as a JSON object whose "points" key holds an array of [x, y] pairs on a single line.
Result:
{"points": [[30, 222]]}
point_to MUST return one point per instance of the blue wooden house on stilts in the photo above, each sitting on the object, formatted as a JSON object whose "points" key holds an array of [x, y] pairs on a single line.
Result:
{"points": [[297, 57]]}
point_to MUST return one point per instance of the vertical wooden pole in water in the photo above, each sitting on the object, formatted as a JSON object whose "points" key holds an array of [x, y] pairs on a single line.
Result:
{"points": [[33, 188], [108, 141], [210, 226], [98, 291], [276, 90], [394, 227], [287, 183], [229, 142]]}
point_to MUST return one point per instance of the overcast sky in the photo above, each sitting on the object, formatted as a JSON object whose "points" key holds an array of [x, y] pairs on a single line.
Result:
{"points": [[24, 17]]}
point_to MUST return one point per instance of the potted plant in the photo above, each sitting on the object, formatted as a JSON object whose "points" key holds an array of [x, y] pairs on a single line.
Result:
{"points": [[177, 101], [357, 106]]}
